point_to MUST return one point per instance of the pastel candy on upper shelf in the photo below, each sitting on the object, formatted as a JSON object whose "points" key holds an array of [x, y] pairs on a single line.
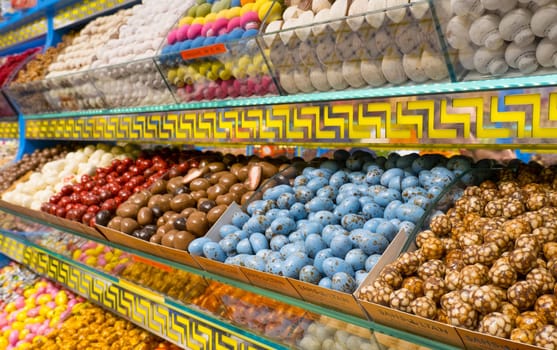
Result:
{"points": [[171, 39], [194, 30], [522, 58], [492, 62], [546, 53], [207, 29], [357, 8], [515, 26], [219, 26], [233, 23], [250, 20], [412, 64], [396, 11], [392, 67], [471, 8], [372, 73], [376, 17], [434, 65], [457, 32], [484, 31], [543, 22]]}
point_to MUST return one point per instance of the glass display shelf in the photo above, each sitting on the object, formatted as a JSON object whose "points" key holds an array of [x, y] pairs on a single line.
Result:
{"points": [[174, 300]]}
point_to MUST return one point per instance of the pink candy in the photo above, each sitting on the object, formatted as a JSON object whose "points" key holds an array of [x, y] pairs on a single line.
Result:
{"points": [[250, 20], [220, 26], [20, 302], [171, 39], [182, 33], [194, 30], [232, 24]]}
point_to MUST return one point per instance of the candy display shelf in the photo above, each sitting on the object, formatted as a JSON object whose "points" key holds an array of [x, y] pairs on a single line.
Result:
{"points": [[187, 306]]}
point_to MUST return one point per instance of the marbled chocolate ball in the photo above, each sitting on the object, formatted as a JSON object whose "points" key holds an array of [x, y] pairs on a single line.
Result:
{"points": [[401, 299], [496, 324], [522, 294], [424, 307]]}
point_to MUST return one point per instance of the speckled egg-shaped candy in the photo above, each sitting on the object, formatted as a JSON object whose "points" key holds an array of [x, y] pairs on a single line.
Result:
{"points": [[516, 227], [391, 275], [466, 293], [509, 310], [522, 294], [498, 237], [547, 306], [432, 248], [496, 324], [401, 299], [473, 275], [450, 299], [343, 282], [422, 236], [377, 292], [415, 285], [440, 225], [424, 307], [546, 337], [528, 242], [452, 280], [310, 274]]}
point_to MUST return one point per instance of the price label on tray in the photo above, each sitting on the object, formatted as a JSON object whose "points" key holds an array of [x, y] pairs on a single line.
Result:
{"points": [[204, 51]]}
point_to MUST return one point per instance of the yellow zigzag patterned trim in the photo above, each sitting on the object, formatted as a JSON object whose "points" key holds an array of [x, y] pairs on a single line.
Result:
{"points": [[529, 117], [23, 33], [84, 9], [9, 130], [184, 330]]}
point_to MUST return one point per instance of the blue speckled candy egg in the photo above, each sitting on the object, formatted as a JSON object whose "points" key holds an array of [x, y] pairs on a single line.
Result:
{"points": [[309, 227], [298, 211], [409, 212], [406, 226], [229, 243], [330, 231], [353, 221], [340, 245], [361, 276], [313, 244], [343, 282], [390, 174], [316, 183], [297, 236], [365, 199], [395, 183], [390, 211], [303, 194], [349, 205], [357, 235], [356, 258], [293, 264], [272, 214], [321, 172], [328, 192], [318, 204], [196, 246], [320, 257], [225, 230], [257, 223], [239, 219], [371, 261], [254, 262], [213, 251], [373, 244], [325, 218], [334, 265], [357, 177], [301, 180], [413, 191], [282, 226], [264, 253], [409, 181], [274, 192], [387, 229], [385, 197], [425, 177], [244, 247], [291, 248], [325, 282], [373, 176], [278, 242], [421, 201], [274, 267], [310, 274], [371, 224], [286, 200], [242, 234], [338, 179], [372, 210], [258, 242]]}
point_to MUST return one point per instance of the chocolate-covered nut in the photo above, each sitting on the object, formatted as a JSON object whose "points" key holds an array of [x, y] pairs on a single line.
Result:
{"points": [[377, 292], [173, 184], [391, 276], [197, 195], [187, 212], [205, 205], [157, 212], [216, 190], [452, 279], [502, 274], [462, 314], [180, 224], [268, 170], [450, 299], [496, 324], [246, 197], [145, 216], [453, 260], [516, 227], [197, 223], [424, 307], [494, 208], [181, 202], [530, 320], [227, 180], [115, 223], [238, 189], [215, 213], [545, 234], [470, 239], [215, 177], [158, 187], [226, 199], [528, 242], [199, 184], [431, 268], [156, 238], [162, 230], [488, 253], [127, 210], [168, 238], [182, 239], [546, 305], [128, 225], [434, 288], [215, 167], [140, 198], [510, 310], [498, 237]]}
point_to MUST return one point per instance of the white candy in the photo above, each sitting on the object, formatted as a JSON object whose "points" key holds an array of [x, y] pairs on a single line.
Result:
{"points": [[434, 65], [412, 64], [357, 8], [377, 15], [318, 79], [396, 10], [301, 79], [466, 57], [335, 78], [352, 75], [392, 67], [287, 83], [338, 10], [419, 8], [372, 73], [498, 5], [457, 32], [472, 8]]}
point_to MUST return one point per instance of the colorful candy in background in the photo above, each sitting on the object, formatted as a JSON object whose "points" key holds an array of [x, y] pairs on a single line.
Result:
{"points": [[34, 313], [13, 279], [108, 259], [13, 62]]}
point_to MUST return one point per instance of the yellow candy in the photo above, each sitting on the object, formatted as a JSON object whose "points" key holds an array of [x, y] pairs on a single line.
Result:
{"points": [[185, 20], [109, 255], [199, 20], [3, 343], [59, 309], [41, 284], [91, 261], [273, 9], [38, 319], [17, 325], [22, 316], [247, 8], [24, 346], [61, 298], [211, 17], [10, 307], [23, 333], [55, 320], [76, 254], [234, 12], [39, 339], [28, 292], [44, 310], [43, 299], [50, 314]]}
